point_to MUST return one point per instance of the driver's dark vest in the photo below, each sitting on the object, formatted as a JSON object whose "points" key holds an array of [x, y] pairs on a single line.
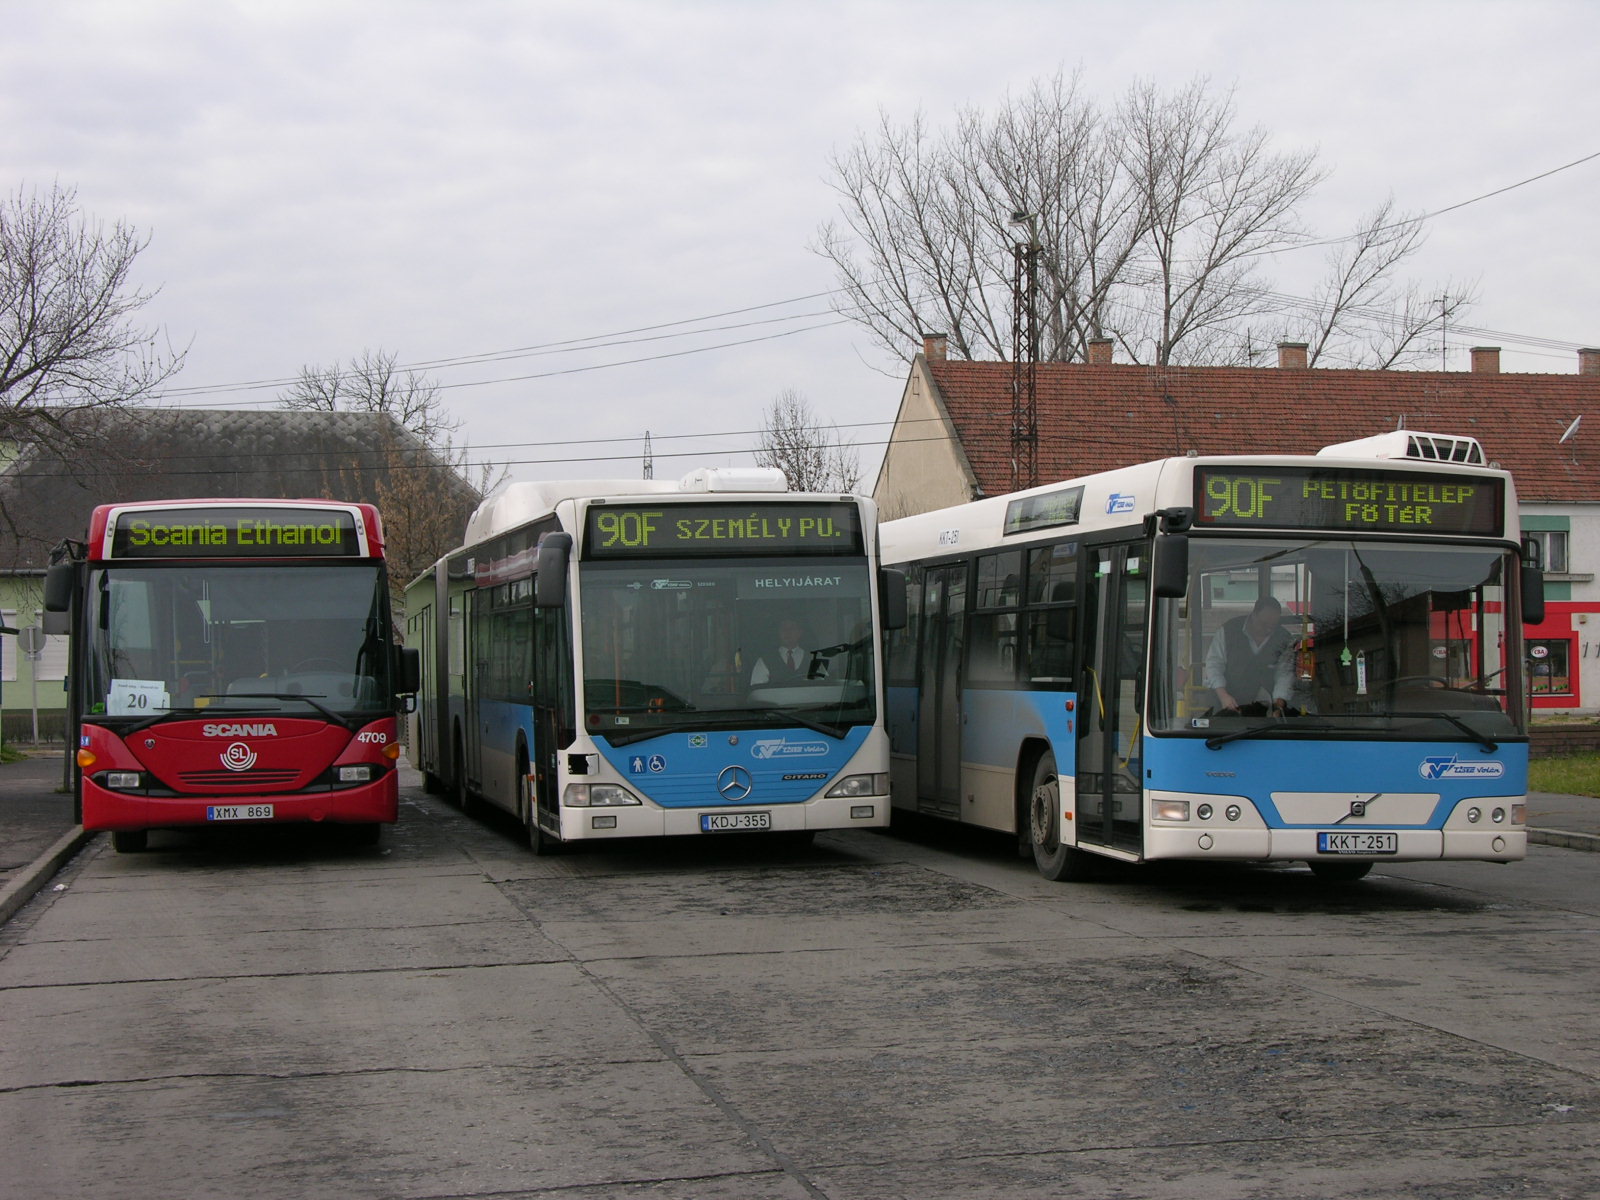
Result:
{"points": [[1246, 670], [778, 669]]}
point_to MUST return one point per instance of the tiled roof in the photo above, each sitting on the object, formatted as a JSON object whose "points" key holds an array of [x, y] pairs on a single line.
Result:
{"points": [[1094, 418], [152, 454]]}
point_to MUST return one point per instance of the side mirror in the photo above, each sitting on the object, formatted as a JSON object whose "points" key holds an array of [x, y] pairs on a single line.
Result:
{"points": [[410, 671], [1172, 566], [550, 584], [58, 580], [892, 595], [1532, 594]]}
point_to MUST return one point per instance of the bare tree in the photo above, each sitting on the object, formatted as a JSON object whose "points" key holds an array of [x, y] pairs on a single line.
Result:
{"points": [[68, 337], [375, 383], [426, 488], [1360, 315], [811, 457], [1147, 224]]}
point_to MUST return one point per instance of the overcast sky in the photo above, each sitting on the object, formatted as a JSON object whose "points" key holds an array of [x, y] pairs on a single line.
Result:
{"points": [[451, 178]]}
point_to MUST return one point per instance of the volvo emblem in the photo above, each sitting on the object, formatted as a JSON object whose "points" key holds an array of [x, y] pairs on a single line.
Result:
{"points": [[238, 757], [734, 784]]}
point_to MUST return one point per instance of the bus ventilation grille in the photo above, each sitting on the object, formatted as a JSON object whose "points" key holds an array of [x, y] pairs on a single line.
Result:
{"points": [[1434, 447], [255, 779]]}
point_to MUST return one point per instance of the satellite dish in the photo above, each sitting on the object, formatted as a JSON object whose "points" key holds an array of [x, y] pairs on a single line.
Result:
{"points": [[1571, 429]]}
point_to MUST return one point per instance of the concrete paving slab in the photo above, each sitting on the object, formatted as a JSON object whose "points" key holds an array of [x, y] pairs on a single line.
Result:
{"points": [[392, 1133], [536, 1016], [1159, 1086], [1458, 1164]]}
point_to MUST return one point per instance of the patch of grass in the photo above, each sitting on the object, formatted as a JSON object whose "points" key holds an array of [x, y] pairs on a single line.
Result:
{"points": [[1574, 774]]}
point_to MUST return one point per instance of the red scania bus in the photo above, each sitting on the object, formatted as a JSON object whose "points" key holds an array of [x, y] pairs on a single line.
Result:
{"points": [[232, 662]]}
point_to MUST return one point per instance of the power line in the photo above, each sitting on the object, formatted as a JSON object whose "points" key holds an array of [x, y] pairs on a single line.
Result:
{"points": [[628, 336]]}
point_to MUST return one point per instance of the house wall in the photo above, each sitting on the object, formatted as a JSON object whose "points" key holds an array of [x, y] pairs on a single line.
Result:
{"points": [[1572, 614], [27, 682], [923, 466]]}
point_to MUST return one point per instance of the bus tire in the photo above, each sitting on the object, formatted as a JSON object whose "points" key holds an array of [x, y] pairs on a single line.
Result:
{"points": [[363, 833], [130, 841], [1339, 872], [1055, 862]]}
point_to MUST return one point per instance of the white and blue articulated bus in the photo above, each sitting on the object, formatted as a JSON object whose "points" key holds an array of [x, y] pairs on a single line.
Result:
{"points": [[606, 659], [1065, 672]]}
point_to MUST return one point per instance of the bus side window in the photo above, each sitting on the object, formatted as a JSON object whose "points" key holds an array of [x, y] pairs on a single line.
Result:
{"points": [[901, 644], [992, 650], [1050, 645], [1052, 613]]}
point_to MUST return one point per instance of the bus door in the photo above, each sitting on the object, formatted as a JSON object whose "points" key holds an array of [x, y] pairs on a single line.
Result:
{"points": [[1110, 737], [552, 712], [470, 769], [944, 610]]}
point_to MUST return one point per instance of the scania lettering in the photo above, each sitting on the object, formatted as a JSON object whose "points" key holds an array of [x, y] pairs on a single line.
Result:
{"points": [[592, 660], [1059, 677], [231, 660]]}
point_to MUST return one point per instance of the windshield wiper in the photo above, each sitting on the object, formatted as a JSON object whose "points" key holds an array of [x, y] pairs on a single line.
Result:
{"points": [[312, 701], [1483, 739], [166, 714], [1251, 731], [836, 732]]}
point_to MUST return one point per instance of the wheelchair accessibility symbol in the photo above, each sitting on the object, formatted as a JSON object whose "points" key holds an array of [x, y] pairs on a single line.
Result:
{"points": [[638, 764]]}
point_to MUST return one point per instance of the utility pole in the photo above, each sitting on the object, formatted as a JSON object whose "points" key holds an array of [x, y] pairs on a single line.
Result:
{"points": [[1024, 356], [649, 458]]}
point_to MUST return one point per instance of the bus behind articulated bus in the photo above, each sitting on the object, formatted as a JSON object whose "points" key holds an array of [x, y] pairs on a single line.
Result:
{"points": [[1066, 675], [232, 663]]}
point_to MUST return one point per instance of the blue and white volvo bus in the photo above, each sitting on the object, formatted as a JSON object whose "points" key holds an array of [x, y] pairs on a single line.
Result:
{"points": [[1054, 681], [594, 659]]}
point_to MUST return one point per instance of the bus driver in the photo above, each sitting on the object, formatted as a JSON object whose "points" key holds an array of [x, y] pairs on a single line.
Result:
{"points": [[1249, 665]]}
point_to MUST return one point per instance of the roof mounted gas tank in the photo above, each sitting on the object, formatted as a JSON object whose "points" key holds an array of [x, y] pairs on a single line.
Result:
{"points": [[734, 479], [1412, 444]]}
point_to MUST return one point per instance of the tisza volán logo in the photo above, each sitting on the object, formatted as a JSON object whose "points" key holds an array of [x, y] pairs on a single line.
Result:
{"points": [[1448, 766]]}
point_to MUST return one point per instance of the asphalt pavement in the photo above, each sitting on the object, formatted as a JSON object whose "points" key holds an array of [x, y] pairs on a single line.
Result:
{"points": [[38, 833]]}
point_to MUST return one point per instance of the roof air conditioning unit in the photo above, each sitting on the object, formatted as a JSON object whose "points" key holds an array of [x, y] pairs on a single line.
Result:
{"points": [[1409, 443]]}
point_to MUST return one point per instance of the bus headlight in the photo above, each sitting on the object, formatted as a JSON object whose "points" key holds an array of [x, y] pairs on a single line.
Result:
{"points": [[598, 795], [122, 781], [1171, 810], [356, 773], [859, 785]]}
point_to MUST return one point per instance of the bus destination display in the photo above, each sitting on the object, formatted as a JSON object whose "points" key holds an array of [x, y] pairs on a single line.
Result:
{"points": [[675, 530], [1349, 499], [234, 533]]}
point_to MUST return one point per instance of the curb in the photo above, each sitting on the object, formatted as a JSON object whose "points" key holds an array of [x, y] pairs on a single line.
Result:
{"points": [[22, 889], [1564, 838]]}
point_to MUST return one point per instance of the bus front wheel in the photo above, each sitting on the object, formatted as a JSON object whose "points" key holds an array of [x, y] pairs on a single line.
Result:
{"points": [[130, 841], [1055, 861]]}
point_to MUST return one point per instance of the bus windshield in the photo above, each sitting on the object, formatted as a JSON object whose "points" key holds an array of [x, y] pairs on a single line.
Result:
{"points": [[734, 643], [264, 638], [1390, 639]]}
